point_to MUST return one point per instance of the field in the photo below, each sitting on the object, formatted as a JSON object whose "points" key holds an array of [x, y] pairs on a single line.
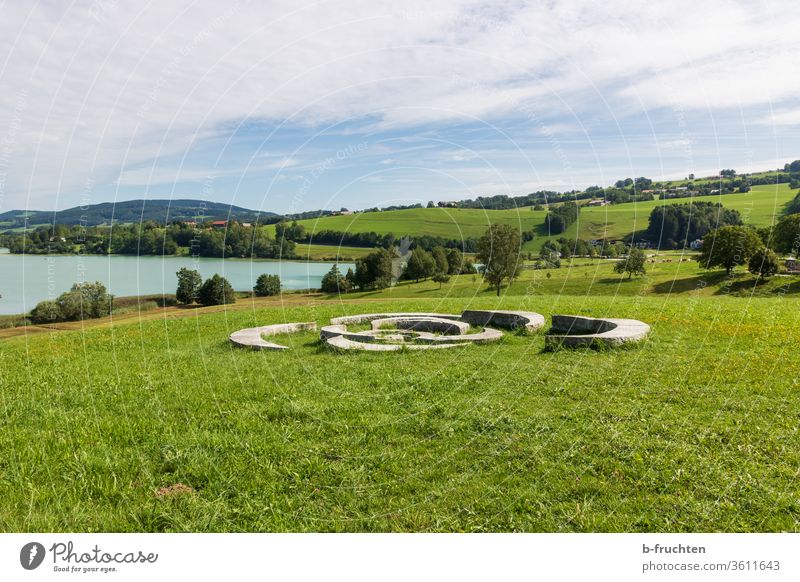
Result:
{"points": [[759, 207], [329, 252], [694, 430]]}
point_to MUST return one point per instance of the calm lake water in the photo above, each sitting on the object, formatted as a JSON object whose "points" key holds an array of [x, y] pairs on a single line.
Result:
{"points": [[27, 279]]}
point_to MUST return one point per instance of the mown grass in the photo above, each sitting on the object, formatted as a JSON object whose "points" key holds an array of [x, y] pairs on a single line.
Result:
{"points": [[694, 430], [759, 207]]}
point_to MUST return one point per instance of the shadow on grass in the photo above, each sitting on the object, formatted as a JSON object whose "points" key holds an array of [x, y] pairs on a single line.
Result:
{"points": [[751, 286], [690, 283]]}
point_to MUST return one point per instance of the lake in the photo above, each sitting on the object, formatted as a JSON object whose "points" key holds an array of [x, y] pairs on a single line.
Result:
{"points": [[27, 279]]}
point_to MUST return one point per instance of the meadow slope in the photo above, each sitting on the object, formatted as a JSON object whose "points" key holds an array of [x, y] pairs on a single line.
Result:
{"points": [[694, 430], [759, 207]]}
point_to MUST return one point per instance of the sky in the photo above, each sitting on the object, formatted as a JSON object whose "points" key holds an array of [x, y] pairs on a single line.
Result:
{"points": [[292, 106]]}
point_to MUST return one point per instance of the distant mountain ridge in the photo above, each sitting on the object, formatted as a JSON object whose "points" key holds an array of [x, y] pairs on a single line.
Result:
{"points": [[161, 211]]}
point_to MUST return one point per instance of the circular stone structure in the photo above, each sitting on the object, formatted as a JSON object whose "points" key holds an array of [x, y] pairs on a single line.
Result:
{"points": [[576, 330], [397, 331]]}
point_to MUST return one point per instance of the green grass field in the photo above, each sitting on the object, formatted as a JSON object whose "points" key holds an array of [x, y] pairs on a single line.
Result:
{"points": [[330, 252], [759, 207], [694, 430]]}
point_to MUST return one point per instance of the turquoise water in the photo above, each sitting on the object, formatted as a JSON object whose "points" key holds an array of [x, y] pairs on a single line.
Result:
{"points": [[27, 279]]}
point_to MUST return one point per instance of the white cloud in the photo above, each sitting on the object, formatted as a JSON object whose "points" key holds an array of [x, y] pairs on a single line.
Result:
{"points": [[92, 89]]}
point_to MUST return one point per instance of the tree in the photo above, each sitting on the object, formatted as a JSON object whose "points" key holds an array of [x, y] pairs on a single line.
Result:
{"points": [[633, 264], [763, 264], [374, 270], [334, 282], [267, 285], [216, 290], [189, 282], [455, 261], [421, 265], [728, 246], [440, 258], [499, 252], [786, 235], [441, 277]]}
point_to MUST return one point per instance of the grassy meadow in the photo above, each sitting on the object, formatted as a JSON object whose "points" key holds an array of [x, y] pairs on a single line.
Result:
{"points": [[155, 423], [758, 207]]}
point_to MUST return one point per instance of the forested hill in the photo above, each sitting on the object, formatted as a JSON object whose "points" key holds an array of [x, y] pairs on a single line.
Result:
{"points": [[134, 211]]}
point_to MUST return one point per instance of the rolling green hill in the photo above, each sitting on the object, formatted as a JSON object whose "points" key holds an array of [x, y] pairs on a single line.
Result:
{"points": [[132, 211], [759, 207]]}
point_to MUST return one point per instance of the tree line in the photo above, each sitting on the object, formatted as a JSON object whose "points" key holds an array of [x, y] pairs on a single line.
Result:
{"points": [[151, 238]]}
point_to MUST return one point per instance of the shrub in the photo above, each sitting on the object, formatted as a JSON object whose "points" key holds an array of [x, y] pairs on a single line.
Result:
{"points": [[46, 312], [215, 291], [267, 285]]}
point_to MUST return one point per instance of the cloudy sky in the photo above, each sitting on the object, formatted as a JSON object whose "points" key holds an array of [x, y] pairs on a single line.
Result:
{"points": [[296, 105]]}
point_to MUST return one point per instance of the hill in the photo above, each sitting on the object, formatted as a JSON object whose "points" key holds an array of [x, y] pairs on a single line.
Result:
{"points": [[161, 211], [759, 207]]}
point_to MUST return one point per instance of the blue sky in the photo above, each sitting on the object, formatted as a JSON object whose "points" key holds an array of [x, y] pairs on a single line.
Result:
{"points": [[302, 105]]}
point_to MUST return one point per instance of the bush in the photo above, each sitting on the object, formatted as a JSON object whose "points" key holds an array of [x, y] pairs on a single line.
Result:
{"points": [[267, 285], [46, 312], [216, 291]]}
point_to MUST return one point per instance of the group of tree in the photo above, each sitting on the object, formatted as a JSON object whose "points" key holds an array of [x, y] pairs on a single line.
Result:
{"points": [[377, 270], [730, 246], [559, 218], [215, 290], [151, 238], [674, 226], [82, 301], [334, 282]]}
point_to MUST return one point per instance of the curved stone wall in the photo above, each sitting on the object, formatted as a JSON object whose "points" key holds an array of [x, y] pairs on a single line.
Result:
{"points": [[423, 323], [506, 319], [576, 330], [252, 337]]}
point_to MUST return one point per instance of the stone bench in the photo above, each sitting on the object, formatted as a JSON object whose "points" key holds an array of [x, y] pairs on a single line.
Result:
{"points": [[576, 330], [252, 337], [506, 319]]}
